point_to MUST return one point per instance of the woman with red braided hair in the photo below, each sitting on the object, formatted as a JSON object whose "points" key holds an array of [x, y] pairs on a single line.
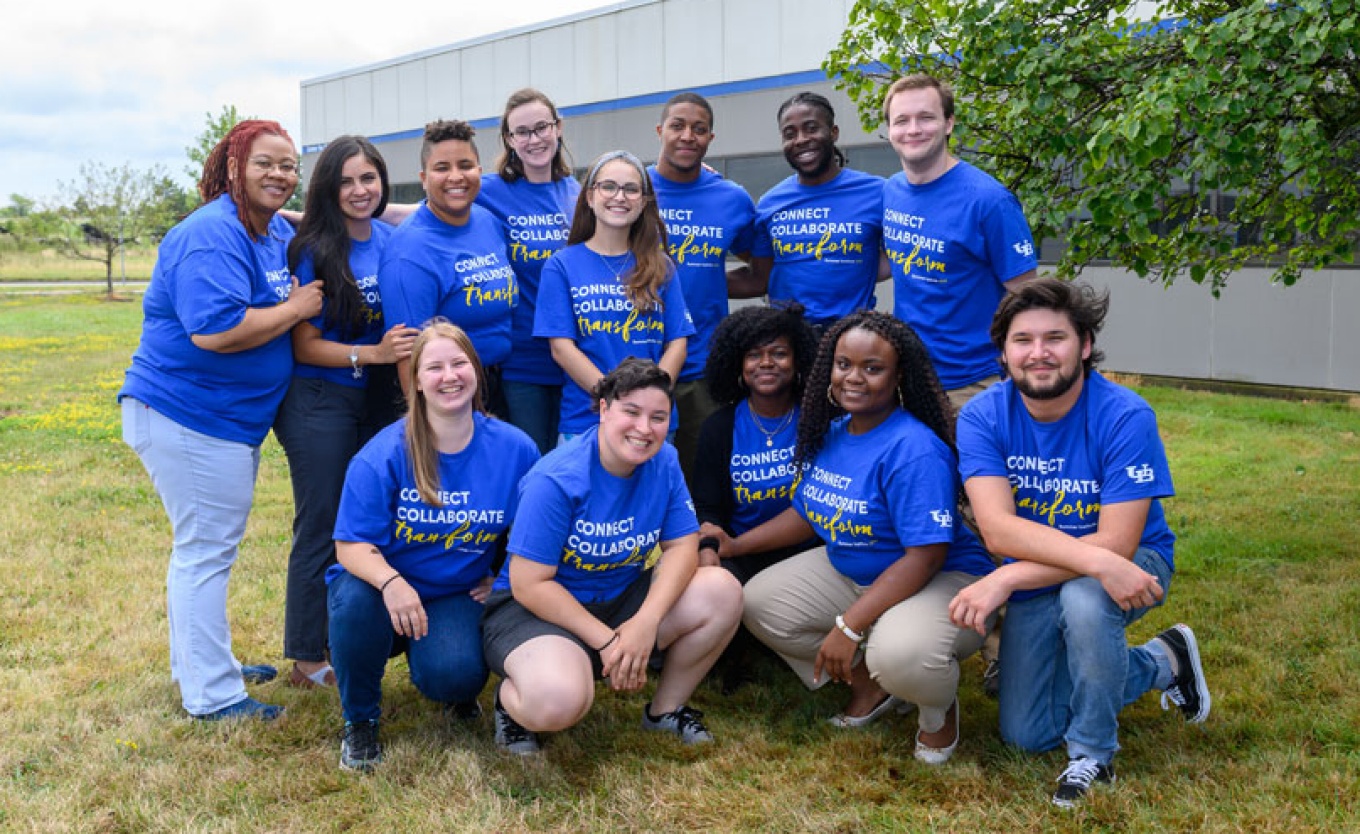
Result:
{"points": [[213, 364]]}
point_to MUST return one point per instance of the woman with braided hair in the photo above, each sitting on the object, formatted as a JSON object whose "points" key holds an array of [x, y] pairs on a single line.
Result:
{"points": [[879, 485], [213, 365]]}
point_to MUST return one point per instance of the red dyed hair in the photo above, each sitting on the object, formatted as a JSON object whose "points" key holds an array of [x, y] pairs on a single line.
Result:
{"points": [[236, 146]]}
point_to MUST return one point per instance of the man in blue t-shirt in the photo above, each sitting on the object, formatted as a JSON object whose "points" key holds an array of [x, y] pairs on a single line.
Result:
{"points": [[1065, 472], [956, 239], [707, 219]]}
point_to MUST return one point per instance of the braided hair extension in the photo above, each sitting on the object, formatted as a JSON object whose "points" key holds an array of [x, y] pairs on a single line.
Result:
{"points": [[233, 151]]}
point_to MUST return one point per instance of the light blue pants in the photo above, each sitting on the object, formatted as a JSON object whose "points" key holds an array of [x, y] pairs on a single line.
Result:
{"points": [[1067, 669], [206, 486]]}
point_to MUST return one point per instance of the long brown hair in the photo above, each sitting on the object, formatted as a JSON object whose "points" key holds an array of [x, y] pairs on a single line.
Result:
{"points": [[234, 151], [653, 266], [421, 445]]}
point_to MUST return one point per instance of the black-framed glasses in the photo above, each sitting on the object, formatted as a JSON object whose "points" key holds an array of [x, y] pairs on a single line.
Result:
{"points": [[539, 131], [610, 189]]}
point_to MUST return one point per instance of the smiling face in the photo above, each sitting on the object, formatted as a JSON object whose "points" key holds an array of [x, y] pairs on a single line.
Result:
{"points": [[1044, 355], [267, 185], [632, 429], [864, 378], [360, 188], [809, 141], [446, 379], [533, 134], [619, 210], [452, 176], [686, 132], [919, 131], [767, 370]]}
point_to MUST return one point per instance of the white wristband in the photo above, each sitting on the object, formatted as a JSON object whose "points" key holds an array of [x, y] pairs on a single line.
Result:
{"points": [[855, 636]]}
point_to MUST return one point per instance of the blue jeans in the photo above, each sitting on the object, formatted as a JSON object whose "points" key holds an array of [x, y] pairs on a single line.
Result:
{"points": [[446, 664], [321, 426], [1067, 669], [535, 409], [206, 486]]}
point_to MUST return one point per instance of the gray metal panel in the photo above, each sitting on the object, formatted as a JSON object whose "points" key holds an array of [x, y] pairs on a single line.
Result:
{"points": [[386, 101], [443, 88], [548, 54], [1272, 333], [1152, 329], [596, 67], [333, 123], [413, 102], [640, 52], [476, 81], [1345, 347], [358, 92], [751, 50], [807, 31], [313, 113], [694, 43]]}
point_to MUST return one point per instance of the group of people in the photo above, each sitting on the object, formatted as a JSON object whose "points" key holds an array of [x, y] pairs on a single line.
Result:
{"points": [[495, 414]]}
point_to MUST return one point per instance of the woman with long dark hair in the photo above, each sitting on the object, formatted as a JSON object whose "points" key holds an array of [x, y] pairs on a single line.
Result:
{"points": [[425, 506], [611, 293], [205, 383], [344, 386], [879, 485]]}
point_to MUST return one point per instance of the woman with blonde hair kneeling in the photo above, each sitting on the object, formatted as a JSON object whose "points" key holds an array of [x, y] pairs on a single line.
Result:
{"points": [[585, 595]]}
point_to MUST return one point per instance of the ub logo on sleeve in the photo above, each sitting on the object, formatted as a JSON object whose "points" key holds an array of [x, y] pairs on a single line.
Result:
{"points": [[1141, 474]]}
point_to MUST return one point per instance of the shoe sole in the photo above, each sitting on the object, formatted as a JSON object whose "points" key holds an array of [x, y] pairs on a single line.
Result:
{"points": [[1197, 668]]}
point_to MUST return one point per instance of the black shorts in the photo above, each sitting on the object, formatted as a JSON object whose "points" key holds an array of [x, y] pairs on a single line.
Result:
{"points": [[507, 625]]}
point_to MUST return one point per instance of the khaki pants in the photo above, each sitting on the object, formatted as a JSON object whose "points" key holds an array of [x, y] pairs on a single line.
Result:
{"points": [[913, 651]]}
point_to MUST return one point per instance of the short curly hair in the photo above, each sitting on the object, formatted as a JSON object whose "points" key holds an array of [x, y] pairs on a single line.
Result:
{"points": [[750, 328], [918, 386]]}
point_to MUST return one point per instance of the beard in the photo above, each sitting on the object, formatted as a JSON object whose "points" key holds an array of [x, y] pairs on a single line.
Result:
{"points": [[1060, 384]]}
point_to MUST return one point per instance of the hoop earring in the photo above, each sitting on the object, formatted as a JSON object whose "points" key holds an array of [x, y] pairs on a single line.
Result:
{"points": [[831, 398]]}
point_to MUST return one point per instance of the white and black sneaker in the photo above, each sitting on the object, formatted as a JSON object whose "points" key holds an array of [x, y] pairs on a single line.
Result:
{"points": [[685, 723], [511, 737], [1188, 689], [1077, 778], [360, 749]]}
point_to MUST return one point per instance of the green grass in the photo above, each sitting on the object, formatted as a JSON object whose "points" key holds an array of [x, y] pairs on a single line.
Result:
{"points": [[92, 737]]}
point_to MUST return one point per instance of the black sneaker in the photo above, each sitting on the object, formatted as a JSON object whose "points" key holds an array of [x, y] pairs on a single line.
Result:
{"points": [[360, 749], [1077, 778], [1188, 690], [511, 737], [686, 723]]}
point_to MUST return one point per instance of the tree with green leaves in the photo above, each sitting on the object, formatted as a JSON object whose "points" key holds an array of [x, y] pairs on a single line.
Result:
{"points": [[106, 209], [1172, 137], [215, 128]]}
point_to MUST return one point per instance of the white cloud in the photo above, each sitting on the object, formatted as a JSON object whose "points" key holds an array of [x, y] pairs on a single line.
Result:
{"points": [[131, 82]]}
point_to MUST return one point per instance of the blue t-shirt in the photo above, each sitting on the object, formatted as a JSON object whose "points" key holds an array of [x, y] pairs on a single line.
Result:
{"points": [[825, 241], [1105, 450], [761, 467], [364, 256], [871, 496], [598, 529], [705, 220], [953, 243], [439, 550], [208, 273], [431, 268], [582, 298], [535, 220]]}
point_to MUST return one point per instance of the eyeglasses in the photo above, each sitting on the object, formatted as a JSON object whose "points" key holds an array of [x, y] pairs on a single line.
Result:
{"points": [[265, 165], [610, 189], [540, 131]]}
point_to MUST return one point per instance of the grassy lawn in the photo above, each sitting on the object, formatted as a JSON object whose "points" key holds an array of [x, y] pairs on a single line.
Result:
{"points": [[92, 737], [50, 265]]}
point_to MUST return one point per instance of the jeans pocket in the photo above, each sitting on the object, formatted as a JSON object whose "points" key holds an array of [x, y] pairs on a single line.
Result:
{"points": [[136, 425]]}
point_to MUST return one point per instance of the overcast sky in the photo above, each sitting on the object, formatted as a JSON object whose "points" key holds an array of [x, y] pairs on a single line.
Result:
{"points": [[132, 81]]}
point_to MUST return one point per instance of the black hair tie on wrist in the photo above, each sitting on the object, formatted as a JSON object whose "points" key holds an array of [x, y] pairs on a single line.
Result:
{"points": [[709, 543]]}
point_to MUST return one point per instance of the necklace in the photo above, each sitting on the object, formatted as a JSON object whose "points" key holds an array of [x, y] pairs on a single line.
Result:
{"points": [[618, 273], [760, 427]]}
